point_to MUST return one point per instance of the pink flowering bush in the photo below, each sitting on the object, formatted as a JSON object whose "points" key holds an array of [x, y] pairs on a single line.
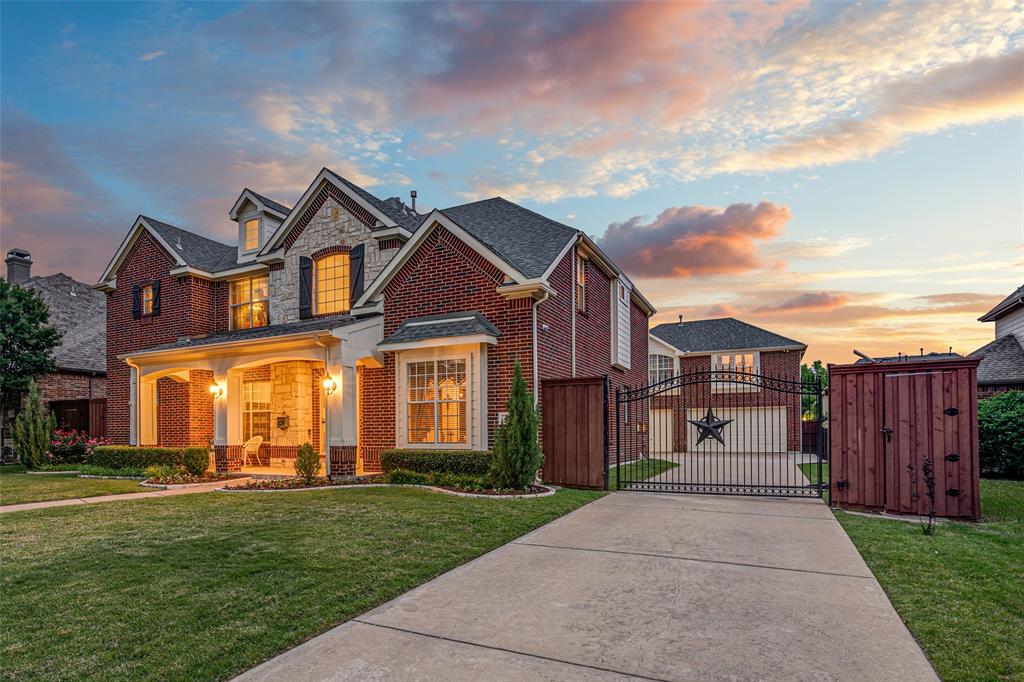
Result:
{"points": [[68, 446]]}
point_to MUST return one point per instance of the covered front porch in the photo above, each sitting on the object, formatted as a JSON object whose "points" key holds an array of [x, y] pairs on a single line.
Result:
{"points": [[256, 396]]}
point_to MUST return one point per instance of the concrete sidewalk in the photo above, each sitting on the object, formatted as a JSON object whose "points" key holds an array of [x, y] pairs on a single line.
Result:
{"points": [[637, 586], [99, 499]]}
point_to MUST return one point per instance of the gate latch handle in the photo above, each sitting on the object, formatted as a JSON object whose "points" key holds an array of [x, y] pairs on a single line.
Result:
{"points": [[887, 431]]}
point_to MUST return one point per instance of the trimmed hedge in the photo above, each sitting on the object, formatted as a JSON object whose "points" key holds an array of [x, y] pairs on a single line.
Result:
{"points": [[196, 460], [473, 462], [1001, 435], [132, 457]]}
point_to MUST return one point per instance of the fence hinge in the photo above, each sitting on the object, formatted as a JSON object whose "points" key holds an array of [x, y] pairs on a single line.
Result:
{"points": [[952, 457], [953, 492], [952, 411]]}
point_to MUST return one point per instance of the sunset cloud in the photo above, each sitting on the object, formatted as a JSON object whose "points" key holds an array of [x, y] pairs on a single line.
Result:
{"points": [[695, 240]]}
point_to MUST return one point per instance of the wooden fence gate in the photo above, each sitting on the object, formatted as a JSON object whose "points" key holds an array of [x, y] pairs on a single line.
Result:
{"points": [[894, 425], [575, 431]]}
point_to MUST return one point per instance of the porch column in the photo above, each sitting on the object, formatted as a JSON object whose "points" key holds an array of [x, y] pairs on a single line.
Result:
{"points": [[220, 411], [133, 407]]}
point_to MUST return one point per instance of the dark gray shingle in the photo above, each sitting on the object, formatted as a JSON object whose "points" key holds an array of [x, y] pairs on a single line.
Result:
{"points": [[1008, 304], [725, 333], [392, 208], [1002, 361], [319, 324], [79, 313], [270, 203], [527, 241], [199, 252], [442, 326]]}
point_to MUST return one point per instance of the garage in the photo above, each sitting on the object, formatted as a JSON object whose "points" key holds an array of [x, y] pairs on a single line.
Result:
{"points": [[661, 431], [749, 429]]}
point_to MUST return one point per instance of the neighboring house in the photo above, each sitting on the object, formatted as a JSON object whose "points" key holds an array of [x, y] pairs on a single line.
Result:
{"points": [[76, 393], [764, 421], [1002, 361], [356, 324]]}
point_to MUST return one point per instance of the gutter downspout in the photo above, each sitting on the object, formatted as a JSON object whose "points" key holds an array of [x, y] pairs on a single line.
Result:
{"points": [[326, 407], [536, 370], [573, 307]]}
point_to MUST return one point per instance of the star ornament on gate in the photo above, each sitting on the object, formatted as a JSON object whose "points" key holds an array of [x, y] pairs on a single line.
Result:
{"points": [[710, 427]]}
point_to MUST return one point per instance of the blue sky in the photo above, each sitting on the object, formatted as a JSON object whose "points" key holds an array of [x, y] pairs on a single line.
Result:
{"points": [[849, 175]]}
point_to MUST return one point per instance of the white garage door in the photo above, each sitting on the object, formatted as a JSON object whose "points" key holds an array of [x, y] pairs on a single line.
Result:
{"points": [[661, 432], [753, 429]]}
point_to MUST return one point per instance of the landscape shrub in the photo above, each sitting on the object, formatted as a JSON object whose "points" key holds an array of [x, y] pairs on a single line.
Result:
{"points": [[406, 477], [33, 429], [307, 462], [70, 447], [460, 481], [162, 471], [472, 462], [517, 455], [135, 457], [1001, 435], [196, 460]]}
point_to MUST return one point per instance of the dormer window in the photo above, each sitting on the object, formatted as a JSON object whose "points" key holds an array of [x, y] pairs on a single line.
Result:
{"points": [[332, 292], [251, 236]]}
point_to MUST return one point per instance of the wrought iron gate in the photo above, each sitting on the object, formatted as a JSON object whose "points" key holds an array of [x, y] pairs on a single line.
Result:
{"points": [[720, 432]]}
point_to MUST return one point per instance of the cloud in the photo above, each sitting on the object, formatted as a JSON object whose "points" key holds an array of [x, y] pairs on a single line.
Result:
{"points": [[695, 240], [150, 56], [810, 301]]}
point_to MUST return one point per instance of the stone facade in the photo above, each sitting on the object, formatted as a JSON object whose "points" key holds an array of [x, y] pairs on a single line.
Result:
{"points": [[291, 397], [332, 225]]}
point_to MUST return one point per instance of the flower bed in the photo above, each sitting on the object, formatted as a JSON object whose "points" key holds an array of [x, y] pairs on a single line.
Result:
{"points": [[289, 484], [183, 478], [283, 484]]}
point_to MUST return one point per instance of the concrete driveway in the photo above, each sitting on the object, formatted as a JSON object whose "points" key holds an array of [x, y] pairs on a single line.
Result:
{"points": [[637, 586]]}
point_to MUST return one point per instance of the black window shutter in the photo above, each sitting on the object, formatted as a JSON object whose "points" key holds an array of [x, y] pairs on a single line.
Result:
{"points": [[355, 265], [136, 301], [305, 288], [156, 297]]}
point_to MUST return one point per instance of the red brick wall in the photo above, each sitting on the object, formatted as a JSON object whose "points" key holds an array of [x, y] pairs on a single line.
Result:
{"points": [[71, 386], [188, 306], [185, 410]]}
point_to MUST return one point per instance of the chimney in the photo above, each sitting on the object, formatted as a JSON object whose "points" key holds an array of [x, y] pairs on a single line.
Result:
{"points": [[19, 266], [413, 195]]}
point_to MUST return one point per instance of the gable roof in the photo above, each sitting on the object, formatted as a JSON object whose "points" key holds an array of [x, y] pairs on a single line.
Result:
{"points": [[393, 207], [1002, 361], [720, 334], [468, 323], [195, 250], [261, 202], [79, 313], [270, 203], [1007, 305], [527, 241]]}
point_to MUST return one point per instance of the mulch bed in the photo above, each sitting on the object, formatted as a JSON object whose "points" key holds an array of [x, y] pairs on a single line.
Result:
{"points": [[288, 484], [185, 479], [300, 484]]}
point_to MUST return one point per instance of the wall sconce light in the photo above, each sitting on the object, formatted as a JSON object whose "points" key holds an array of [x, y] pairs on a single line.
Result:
{"points": [[330, 385], [216, 390]]}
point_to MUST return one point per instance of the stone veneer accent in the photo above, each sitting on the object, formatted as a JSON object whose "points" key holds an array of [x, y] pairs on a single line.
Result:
{"points": [[331, 226]]}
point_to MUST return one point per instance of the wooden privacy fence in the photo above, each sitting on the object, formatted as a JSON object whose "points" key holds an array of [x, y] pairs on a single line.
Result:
{"points": [[575, 431], [887, 419]]}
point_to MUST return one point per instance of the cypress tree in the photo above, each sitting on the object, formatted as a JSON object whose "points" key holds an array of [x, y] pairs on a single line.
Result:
{"points": [[33, 429], [517, 455]]}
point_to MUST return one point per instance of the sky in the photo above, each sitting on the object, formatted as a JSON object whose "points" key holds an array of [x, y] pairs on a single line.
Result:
{"points": [[850, 175]]}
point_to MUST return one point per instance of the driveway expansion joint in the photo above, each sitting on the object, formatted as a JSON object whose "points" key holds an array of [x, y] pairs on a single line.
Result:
{"points": [[676, 557], [510, 651]]}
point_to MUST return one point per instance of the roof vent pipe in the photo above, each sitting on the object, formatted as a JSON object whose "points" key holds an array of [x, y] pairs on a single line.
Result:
{"points": [[680, 319], [413, 195]]}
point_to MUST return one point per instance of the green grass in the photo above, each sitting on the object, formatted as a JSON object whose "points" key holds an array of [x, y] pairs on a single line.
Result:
{"points": [[960, 591], [638, 471], [17, 487], [205, 586], [810, 472]]}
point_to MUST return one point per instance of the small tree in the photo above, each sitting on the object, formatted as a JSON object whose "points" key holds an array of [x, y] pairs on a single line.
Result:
{"points": [[307, 463], [517, 455], [26, 341], [33, 429], [810, 374]]}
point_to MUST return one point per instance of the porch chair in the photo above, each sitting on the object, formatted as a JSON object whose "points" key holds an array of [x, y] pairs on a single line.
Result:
{"points": [[251, 448]]}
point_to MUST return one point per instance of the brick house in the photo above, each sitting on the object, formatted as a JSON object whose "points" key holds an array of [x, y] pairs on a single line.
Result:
{"points": [[355, 324], [763, 421], [1002, 360], [76, 391]]}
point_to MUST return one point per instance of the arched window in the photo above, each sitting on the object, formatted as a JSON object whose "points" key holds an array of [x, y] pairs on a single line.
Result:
{"points": [[332, 292], [659, 368]]}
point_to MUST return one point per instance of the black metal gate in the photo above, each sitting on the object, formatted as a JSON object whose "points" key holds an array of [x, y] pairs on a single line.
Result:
{"points": [[721, 432]]}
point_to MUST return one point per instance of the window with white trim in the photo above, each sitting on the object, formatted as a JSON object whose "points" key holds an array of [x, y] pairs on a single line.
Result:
{"points": [[331, 289], [436, 402], [659, 368], [251, 238], [748, 363], [250, 302], [581, 284], [255, 409]]}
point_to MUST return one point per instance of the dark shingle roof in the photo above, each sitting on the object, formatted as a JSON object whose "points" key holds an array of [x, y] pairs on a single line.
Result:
{"points": [[196, 251], [442, 326], [79, 313], [270, 203], [319, 324], [527, 241], [1009, 303], [1002, 361], [392, 208], [725, 333], [911, 358]]}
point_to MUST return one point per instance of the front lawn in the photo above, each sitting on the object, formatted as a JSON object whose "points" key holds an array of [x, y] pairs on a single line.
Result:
{"points": [[17, 487], [205, 586], [639, 470], [960, 591]]}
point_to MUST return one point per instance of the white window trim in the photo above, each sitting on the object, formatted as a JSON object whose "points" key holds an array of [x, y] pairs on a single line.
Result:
{"points": [[259, 233], [730, 387], [314, 288], [242, 411], [671, 369], [232, 305]]}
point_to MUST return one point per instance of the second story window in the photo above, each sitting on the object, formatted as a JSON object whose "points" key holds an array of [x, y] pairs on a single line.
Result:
{"points": [[147, 299], [250, 303], [581, 284], [332, 288], [252, 234], [659, 368], [746, 363]]}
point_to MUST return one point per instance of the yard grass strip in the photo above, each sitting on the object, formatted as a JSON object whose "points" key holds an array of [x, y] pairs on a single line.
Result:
{"points": [[640, 470], [18, 487], [203, 587]]}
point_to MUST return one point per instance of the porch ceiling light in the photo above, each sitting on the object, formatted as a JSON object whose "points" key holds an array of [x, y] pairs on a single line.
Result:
{"points": [[216, 390], [330, 385]]}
